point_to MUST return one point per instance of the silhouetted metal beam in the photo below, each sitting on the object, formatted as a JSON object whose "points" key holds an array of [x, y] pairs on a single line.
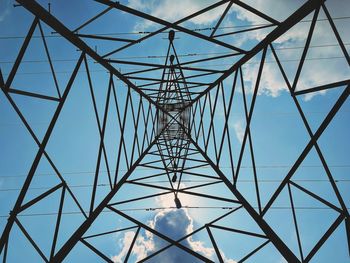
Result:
{"points": [[168, 24], [2, 82], [21, 53], [40, 153], [54, 23], [163, 141], [282, 28], [264, 226], [228, 7], [308, 127], [323, 87], [77, 235], [137, 41], [31, 94]]}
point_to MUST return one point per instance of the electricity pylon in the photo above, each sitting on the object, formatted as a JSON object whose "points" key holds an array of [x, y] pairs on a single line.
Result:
{"points": [[171, 141]]}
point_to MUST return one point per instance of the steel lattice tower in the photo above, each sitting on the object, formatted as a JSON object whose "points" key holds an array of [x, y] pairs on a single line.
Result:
{"points": [[175, 132]]}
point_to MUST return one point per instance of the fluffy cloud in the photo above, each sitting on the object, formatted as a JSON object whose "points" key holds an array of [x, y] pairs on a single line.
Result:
{"points": [[140, 249], [271, 82], [169, 10], [239, 130], [314, 73], [174, 223]]}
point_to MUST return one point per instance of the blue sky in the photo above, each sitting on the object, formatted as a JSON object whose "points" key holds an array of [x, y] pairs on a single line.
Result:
{"points": [[278, 133]]}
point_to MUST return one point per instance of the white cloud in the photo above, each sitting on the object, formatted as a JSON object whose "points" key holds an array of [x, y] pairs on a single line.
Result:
{"points": [[142, 246], [125, 244], [272, 83], [169, 10], [314, 72], [239, 130], [174, 223], [141, 5]]}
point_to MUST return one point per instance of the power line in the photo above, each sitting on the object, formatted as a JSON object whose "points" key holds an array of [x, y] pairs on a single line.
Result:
{"points": [[180, 55], [184, 181], [276, 113], [69, 72], [279, 166], [152, 209]]}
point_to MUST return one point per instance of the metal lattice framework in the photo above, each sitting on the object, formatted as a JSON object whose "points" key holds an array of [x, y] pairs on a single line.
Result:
{"points": [[168, 131]]}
